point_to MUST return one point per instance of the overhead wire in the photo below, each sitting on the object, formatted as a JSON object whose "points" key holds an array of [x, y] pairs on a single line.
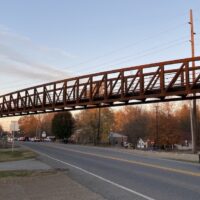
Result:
{"points": [[142, 52], [158, 50], [130, 45], [126, 47], [135, 57]]}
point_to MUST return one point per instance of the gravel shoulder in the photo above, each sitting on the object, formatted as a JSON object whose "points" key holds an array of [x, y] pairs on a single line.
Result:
{"points": [[55, 185], [29, 164], [22, 178], [188, 157]]}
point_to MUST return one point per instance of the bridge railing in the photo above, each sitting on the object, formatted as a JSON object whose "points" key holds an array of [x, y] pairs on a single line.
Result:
{"points": [[141, 84]]}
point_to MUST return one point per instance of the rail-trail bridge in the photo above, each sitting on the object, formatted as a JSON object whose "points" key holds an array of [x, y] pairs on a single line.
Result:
{"points": [[157, 82]]}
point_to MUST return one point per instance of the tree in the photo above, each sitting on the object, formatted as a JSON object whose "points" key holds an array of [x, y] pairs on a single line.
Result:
{"points": [[106, 124], [1, 128], [136, 122], [33, 125], [183, 119], [133, 122], [87, 123], [46, 123], [169, 132], [28, 125], [62, 125], [164, 128]]}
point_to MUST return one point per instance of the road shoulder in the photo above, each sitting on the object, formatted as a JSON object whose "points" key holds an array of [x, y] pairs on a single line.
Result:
{"points": [[53, 186]]}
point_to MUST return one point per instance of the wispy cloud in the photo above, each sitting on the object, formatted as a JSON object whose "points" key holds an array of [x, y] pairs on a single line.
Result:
{"points": [[15, 63], [57, 51], [20, 57]]}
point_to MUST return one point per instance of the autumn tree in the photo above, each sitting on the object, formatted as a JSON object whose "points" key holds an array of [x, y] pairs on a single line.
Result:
{"points": [[87, 123], [28, 125], [34, 125], [132, 121], [169, 132], [1, 128], [46, 123], [183, 120], [119, 118], [62, 125], [106, 123], [163, 126]]}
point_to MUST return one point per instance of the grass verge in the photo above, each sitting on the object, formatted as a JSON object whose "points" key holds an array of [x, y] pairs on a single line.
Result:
{"points": [[21, 173], [8, 155], [26, 173]]}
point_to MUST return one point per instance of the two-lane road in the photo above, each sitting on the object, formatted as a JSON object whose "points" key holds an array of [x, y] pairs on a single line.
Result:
{"points": [[116, 174]]}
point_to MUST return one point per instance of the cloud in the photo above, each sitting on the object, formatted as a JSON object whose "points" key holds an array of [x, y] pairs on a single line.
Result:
{"points": [[20, 57], [14, 70], [56, 51], [23, 66]]}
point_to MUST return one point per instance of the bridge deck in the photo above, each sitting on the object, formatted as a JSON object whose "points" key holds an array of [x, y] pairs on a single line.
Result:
{"points": [[156, 82]]}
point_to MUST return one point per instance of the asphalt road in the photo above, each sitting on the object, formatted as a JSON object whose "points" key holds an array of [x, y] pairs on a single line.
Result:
{"points": [[118, 175]]}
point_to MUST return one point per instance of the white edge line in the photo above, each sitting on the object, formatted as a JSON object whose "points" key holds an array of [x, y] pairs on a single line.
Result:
{"points": [[97, 176]]}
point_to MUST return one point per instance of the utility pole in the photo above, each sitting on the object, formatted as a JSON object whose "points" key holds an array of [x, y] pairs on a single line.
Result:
{"points": [[99, 125], [193, 106], [157, 143]]}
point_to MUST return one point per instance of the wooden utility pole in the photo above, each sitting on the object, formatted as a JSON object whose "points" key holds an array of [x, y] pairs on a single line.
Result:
{"points": [[157, 143], [193, 106], [99, 125]]}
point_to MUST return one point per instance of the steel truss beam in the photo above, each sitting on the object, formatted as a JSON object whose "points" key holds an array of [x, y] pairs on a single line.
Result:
{"points": [[156, 82]]}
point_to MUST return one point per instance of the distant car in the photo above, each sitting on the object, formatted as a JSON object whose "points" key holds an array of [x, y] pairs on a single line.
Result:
{"points": [[37, 139], [26, 139], [21, 139], [10, 139], [127, 145], [32, 139], [47, 139]]}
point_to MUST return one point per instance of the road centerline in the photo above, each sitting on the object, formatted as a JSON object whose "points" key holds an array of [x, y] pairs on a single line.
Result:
{"points": [[96, 176], [169, 169]]}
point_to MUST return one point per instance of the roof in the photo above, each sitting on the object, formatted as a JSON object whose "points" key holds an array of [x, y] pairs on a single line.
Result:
{"points": [[116, 135]]}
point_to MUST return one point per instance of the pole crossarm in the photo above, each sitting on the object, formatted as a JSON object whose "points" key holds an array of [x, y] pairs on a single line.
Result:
{"points": [[155, 82]]}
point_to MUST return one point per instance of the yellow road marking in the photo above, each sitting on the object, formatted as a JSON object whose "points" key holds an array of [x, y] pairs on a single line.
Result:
{"points": [[134, 162]]}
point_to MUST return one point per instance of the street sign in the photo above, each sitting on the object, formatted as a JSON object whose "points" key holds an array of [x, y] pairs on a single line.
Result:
{"points": [[44, 134], [14, 126]]}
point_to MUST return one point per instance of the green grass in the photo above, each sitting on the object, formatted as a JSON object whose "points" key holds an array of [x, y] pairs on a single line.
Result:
{"points": [[27, 173], [21, 173], [8, 155]]}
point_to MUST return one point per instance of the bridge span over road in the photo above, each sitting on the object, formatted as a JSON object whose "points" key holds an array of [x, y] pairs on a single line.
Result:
{"points": [[157, 82]]}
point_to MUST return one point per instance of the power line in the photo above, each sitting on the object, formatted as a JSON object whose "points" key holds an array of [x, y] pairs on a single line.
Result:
{"points": [[141, 54], [122, 58], [130, 45], [177, 44], [131, 55], [136, 57]]}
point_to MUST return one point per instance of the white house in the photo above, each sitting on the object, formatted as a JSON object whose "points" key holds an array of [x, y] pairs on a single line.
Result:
{"points": [[141, 144]]}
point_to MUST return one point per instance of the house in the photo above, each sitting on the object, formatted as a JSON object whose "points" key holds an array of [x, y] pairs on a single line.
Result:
{"points": [[184, 146], [117, 139], [142, 144]]}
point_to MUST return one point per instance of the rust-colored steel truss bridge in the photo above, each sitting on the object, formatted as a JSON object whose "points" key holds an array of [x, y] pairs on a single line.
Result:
{"points": [[157, 82]]}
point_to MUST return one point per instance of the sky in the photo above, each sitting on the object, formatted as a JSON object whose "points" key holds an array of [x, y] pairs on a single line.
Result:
{"points": [[42, 41]]}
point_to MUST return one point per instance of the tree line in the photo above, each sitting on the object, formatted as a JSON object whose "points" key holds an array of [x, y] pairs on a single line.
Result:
{"points": [[165, 124]]}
